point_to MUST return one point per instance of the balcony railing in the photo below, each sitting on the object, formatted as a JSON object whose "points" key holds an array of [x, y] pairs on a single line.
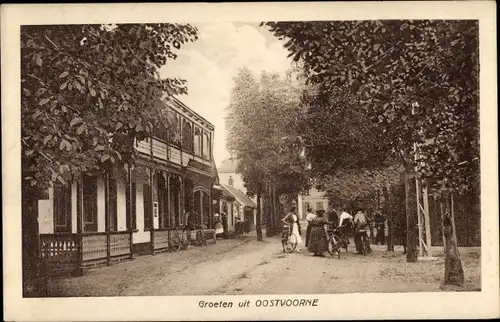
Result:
{"points": [[163, 151]]}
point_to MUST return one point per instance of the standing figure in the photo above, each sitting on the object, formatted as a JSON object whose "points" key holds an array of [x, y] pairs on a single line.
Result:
{"points": [[380, 226], [345, 221], [318, 241], [332, 216], [309, 217], [219, 229], [292, 219], [224, 224], [360, 223]]}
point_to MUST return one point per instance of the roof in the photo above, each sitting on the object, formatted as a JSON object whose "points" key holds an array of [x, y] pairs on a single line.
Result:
{"points": [[179, 104], [240, 196], [215, 173], [227, 166]]}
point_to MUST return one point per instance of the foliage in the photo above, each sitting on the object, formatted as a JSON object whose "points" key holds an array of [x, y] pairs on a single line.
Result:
{"points": [[390, 67], [359, 185], [263, 123], [90, 91]]}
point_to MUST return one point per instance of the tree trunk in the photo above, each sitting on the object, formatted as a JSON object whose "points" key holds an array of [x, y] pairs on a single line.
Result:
{"points": [[389, 214], [258, 227], [274, 211], [34, 277], [411, 218], [453, 270], [268, 214]]}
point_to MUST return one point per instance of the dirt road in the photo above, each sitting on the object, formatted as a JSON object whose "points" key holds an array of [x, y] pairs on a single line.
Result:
{"points": [[246, 266]]}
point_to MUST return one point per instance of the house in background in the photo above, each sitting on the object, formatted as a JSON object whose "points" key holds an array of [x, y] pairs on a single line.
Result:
{"points": [[314, 199], [244, 206]]}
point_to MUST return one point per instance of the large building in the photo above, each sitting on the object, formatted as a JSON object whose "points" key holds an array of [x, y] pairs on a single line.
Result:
{"points": [[105, 218]]}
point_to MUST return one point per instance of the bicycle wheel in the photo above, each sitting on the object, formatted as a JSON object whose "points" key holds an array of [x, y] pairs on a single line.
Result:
{"points": [[284, 237], [345, 243], [333, 246], [366, 246], [290, 243], [185, 243], [175, 244]]}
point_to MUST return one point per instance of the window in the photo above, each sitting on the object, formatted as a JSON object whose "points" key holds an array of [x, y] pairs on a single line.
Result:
{"points": [[187, 136], [162, 202], [230, 182], [319, 206], [175, 132], [161, 132], [197, 141], [206, 146], [307, 206], [148, 210], [113, 205], [62, 209], [89, 204]]}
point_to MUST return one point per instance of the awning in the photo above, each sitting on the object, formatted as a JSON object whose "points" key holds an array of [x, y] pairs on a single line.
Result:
{"points": [[240, 196], [217, 187]]}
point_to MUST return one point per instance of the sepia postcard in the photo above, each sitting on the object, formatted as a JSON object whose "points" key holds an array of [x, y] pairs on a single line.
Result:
{"points": [[237, 161]]}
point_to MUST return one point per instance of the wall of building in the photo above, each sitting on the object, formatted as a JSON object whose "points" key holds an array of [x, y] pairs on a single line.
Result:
{"points": [[46, 208], [46, 214], [314, 199], [140, 236]]}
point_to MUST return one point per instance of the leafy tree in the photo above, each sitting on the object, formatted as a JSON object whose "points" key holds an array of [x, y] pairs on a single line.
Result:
{"points": [[263, 125], [417, 79], [88, 92]]}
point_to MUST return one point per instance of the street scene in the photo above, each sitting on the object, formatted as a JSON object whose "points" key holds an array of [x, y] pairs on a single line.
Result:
{"points": [[250, 158], [245, 266]]}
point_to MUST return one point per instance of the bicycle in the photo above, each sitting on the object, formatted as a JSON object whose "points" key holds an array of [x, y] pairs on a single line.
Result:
{"points": [[342, 238], [333, 242], [288, 240], [201, 237], [179, 240], [365, 242]]}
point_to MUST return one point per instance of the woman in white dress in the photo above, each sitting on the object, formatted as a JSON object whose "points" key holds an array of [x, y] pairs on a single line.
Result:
{"points": [[219, 229], [292, 219]]}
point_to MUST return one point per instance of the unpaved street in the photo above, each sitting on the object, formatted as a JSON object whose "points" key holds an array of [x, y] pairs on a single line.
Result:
{"points": [[245, 266]]}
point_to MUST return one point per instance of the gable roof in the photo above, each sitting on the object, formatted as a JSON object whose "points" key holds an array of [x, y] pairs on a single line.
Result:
{"points": [[240, 196]]}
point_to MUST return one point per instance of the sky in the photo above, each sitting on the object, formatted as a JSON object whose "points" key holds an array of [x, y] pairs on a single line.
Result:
{"points": [[210, 63]]}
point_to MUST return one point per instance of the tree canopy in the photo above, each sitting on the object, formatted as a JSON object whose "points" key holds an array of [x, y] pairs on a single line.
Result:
{"points": [[264, 123], [90, 91], [416, 80]]}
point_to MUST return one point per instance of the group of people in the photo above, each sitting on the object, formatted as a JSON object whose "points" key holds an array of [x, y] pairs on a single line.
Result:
{"points": [[316, 239]]}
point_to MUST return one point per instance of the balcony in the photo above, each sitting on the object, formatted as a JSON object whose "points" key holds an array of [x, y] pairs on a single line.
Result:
{"points": [[160, 150]]}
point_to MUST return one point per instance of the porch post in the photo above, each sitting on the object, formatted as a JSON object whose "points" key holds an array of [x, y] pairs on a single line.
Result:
{"points": [[167, 183], [128, 207], [152, 231], [179, 196], [79, 222], [107, 218], [210, 214], [200, 206]]}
